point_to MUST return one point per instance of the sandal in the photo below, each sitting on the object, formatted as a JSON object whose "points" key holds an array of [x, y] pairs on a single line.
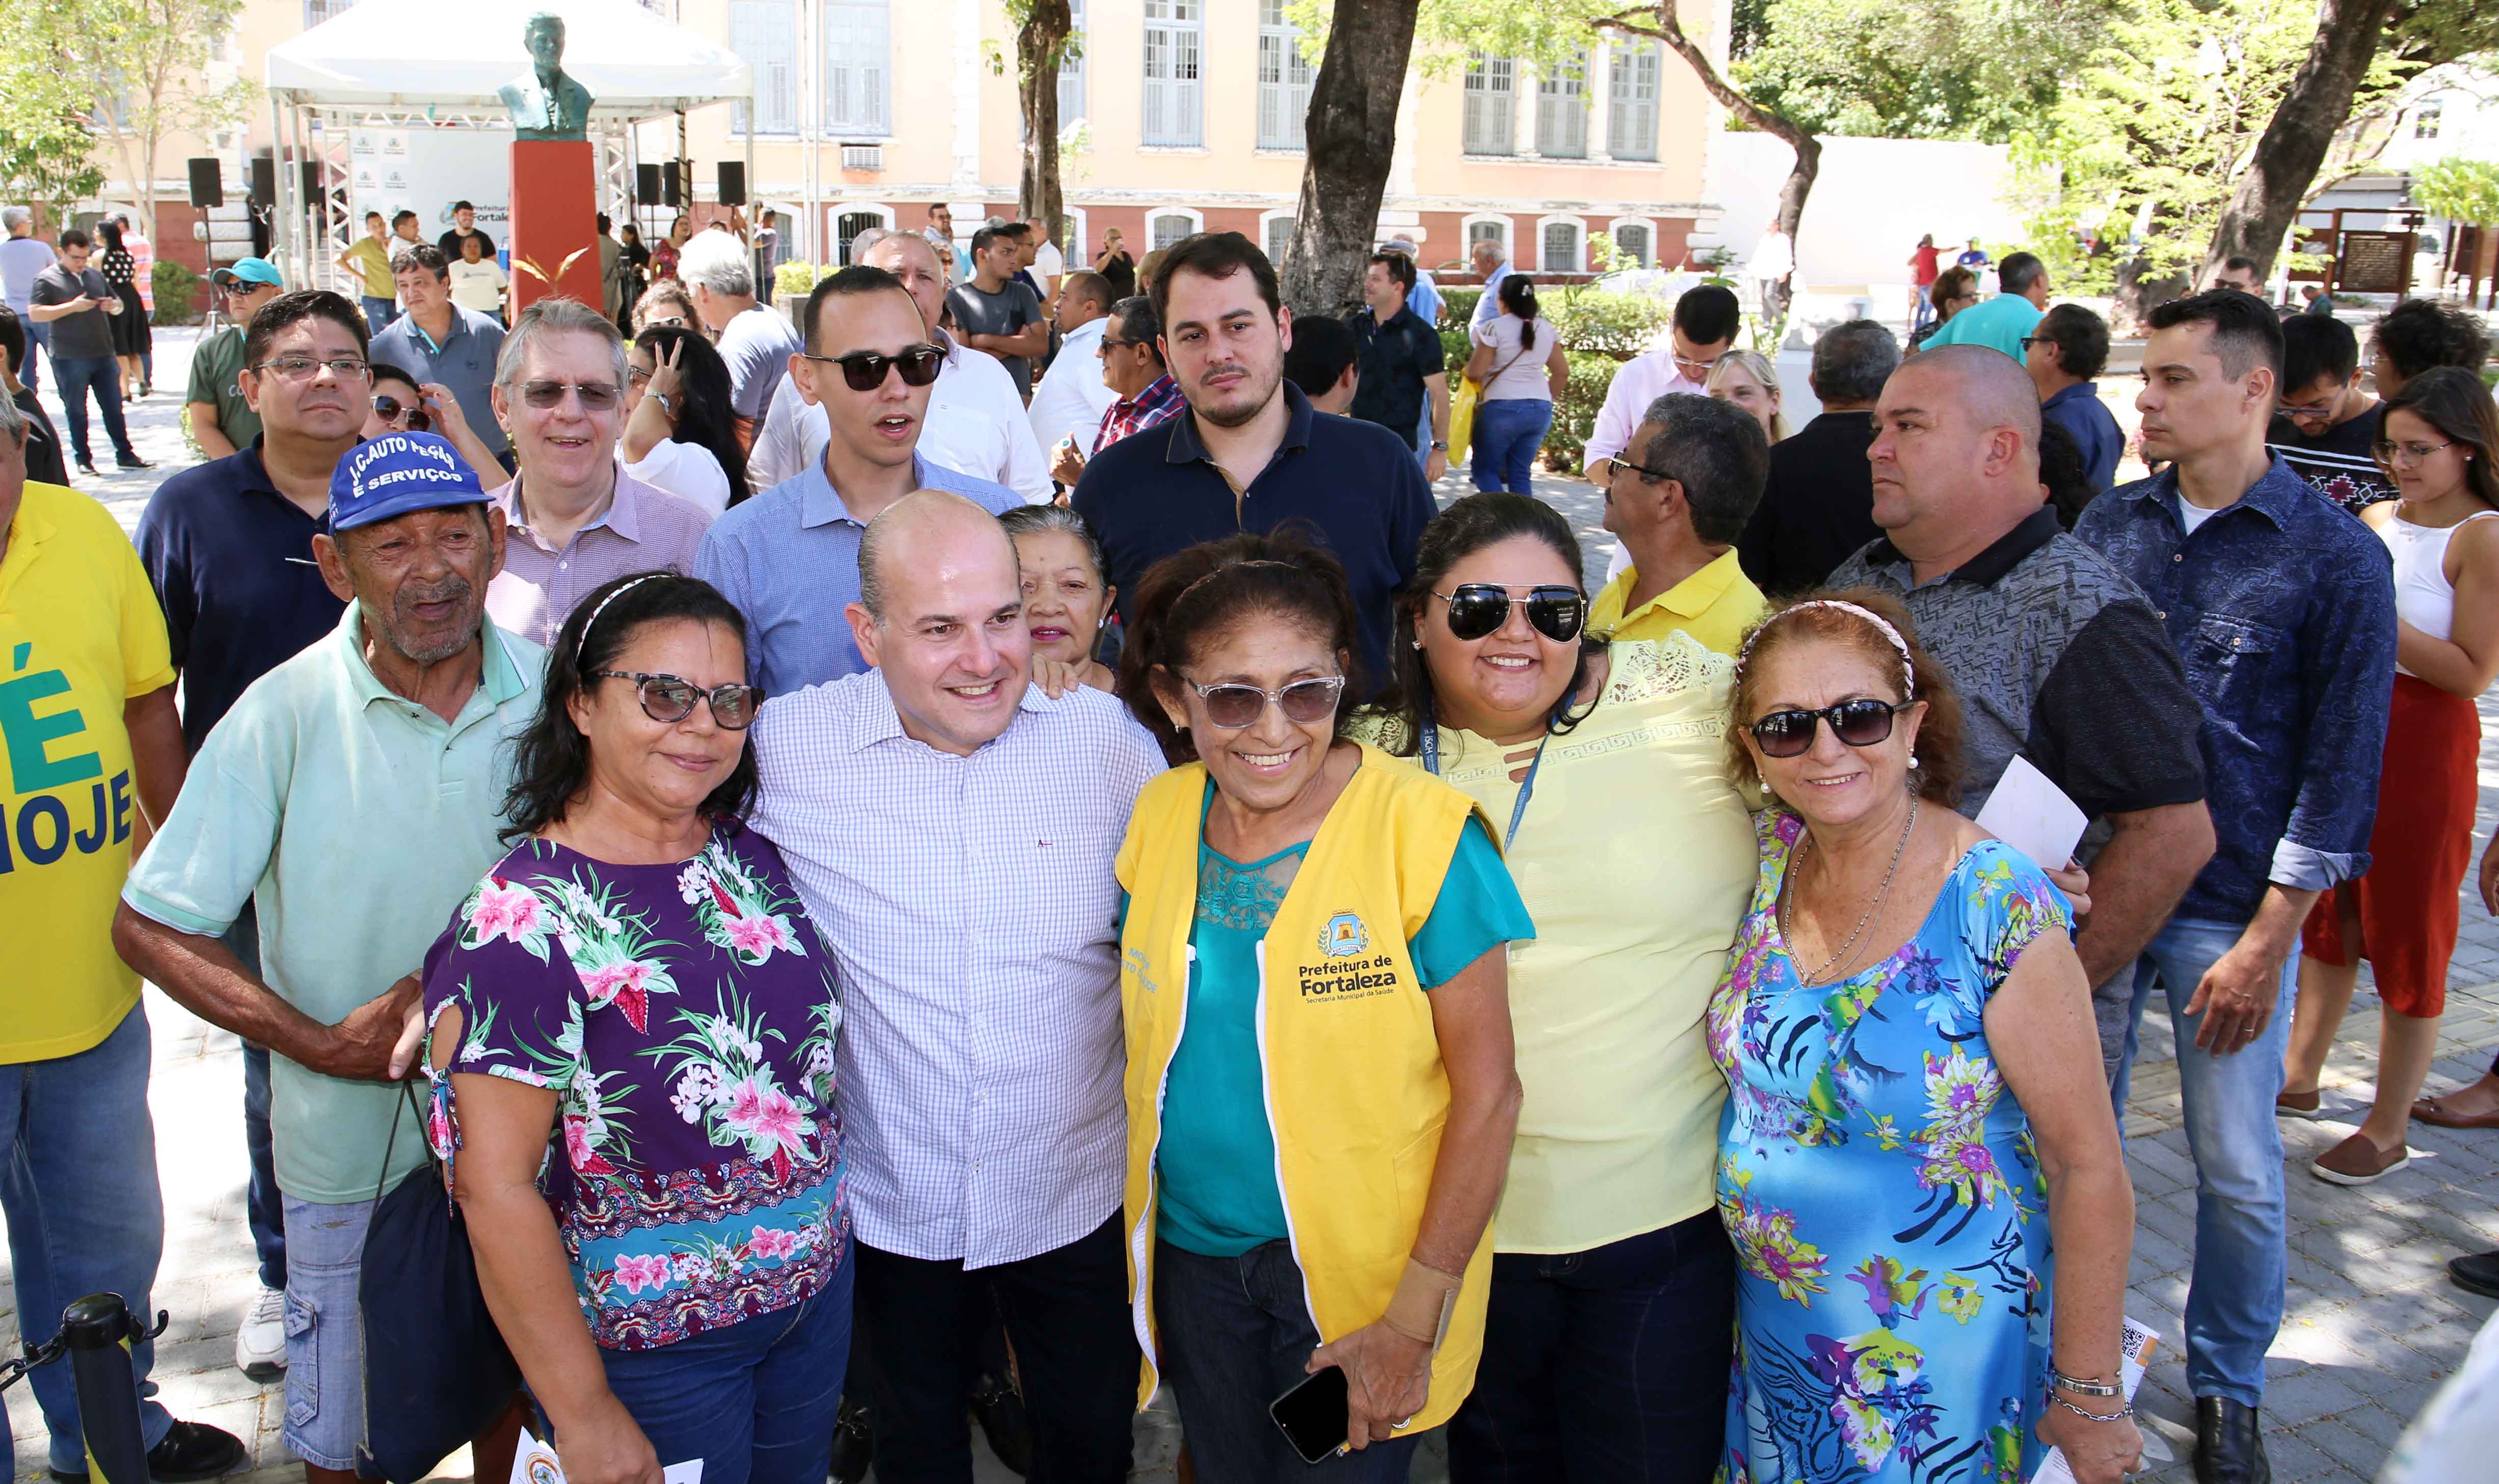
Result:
{"points": [[2431, 1111]]}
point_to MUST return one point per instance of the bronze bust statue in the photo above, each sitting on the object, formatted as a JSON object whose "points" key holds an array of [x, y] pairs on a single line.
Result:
{"points": [[546, 102]]}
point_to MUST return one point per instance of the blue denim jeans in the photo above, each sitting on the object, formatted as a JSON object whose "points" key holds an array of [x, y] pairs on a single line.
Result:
{"points": [[1236, 1333], [84, 1209], [1507, 434], [325, 1331], [755, 1402], [380, 312], [39, 341], [264, 1209], [76, 375], [2234, 1297], [1609, 1363]]}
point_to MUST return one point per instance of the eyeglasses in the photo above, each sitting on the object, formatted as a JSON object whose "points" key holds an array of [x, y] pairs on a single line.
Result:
{"points": [[637, 374], [1605, 470], [2405, 454], [864, 371], [1697, 370], [596, 396], [1479, 608], [2319, 413], [2030, 341], [391, 409], [672, 698], [1109, 344], [304, 367], [676, 321], [1859, 723], [1234, 706]]}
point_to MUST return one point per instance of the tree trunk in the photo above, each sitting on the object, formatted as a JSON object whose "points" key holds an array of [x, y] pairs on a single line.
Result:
{"points": [[1039, 43], [2293, 146], [1808, 149], [1352, 130]]}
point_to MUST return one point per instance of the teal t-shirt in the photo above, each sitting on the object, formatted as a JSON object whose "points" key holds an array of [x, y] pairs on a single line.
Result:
{"points": [[1217, 1162]]}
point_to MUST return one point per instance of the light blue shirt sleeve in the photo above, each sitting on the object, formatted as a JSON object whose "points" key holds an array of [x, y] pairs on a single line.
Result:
{"points": [[202, 869], [1478, 909]]}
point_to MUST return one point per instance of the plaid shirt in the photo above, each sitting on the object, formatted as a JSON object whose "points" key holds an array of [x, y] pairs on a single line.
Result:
{"points": [[1156, 404]]}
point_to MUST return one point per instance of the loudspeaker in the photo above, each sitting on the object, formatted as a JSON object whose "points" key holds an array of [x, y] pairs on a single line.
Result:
{"points": [[672, 183], [264, 181], [208, 183], [732, 183], [646, 182]]}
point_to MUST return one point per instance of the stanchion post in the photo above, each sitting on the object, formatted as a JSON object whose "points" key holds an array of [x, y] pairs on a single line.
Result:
{"points": [[97, 1331]]}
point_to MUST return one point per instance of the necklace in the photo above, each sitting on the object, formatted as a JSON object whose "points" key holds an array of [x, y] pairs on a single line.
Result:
{"points": [[1882, 893]]}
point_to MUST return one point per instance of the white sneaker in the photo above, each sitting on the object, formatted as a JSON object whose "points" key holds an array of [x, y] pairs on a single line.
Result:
{"points": [[260, 1345]]}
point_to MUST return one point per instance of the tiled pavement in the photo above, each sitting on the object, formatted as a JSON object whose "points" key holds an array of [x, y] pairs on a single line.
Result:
{"points": [[2370, 1327]]}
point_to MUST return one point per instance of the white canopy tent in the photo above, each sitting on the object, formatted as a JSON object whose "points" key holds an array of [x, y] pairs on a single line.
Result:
{"points": [[369, 66]]}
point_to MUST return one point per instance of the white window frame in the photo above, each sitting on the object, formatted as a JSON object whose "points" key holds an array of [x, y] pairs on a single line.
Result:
{"points": [[775, 51], [1197, 221], [835, 210], [1266, 219], [872, 117], [1642, 222], [1508, 234], [1076, 254], [1181, 28], [1552, 96], [1071, 70], [1506, 110], [1580, 257], [1287, 96], [1623, 112]]}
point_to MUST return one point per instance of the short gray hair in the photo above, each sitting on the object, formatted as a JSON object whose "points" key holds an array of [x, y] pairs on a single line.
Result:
{"points": [[861, 243], [13, 427], [1853, 359], [1718, 452], [723, 267], [1500, 254], [13, 217], [556, 317]]}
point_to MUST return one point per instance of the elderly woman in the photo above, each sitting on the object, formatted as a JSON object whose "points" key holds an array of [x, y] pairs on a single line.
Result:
{"points": [[1066, 601], [1918, 1121], [1613, 1285], [1746, 378], [632, 1061], [1321, 1093]]}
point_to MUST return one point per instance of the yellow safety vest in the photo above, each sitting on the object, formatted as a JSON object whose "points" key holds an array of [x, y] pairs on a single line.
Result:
{"points": [[1357, 1094]]}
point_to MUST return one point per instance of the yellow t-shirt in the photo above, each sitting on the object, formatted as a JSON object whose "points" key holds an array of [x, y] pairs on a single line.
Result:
{"points": [[1715, 605], [1635, 857], [372, 260], [80, 636]]}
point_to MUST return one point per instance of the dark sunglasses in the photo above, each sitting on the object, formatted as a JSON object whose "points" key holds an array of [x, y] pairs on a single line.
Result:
{"points": [[672, 698], [391, 409], [1481, 608], [1235, 706], [864, 371], [596, 396], [1859, 723]]}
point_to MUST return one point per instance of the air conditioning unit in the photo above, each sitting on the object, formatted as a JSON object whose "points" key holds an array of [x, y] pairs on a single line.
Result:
{"points": [[862, 156]]}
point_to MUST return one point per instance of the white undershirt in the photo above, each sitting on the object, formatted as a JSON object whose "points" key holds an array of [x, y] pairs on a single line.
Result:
{"points": [[2192, 515]]}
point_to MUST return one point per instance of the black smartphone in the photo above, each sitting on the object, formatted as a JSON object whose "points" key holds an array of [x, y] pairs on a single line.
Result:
{"points": [[1313, 1415]]}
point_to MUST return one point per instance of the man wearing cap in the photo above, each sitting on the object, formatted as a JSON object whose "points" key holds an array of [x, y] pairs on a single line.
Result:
{"points": [[394, 732], [436, 341], [221, 418], [464, 224]]}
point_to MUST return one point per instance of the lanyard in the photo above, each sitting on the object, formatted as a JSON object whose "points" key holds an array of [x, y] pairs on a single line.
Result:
{"points": [[1430, 744]]}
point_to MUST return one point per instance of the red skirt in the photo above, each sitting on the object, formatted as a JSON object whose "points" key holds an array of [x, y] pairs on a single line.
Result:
{"points": [[2418, 852]]}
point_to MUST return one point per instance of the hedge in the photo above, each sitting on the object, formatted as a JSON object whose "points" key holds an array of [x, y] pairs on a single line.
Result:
{"points": [[176, 290]]}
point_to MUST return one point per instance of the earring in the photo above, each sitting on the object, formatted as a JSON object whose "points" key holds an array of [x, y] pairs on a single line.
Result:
{"points": [[1419, 641], [1913, 763]]}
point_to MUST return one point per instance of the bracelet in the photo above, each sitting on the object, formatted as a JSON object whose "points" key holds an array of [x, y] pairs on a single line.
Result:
{"points": [[2116, 1416], [2080, 1387]]}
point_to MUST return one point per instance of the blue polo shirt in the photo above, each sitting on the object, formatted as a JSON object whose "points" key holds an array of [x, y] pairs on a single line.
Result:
{"points": [[1998, 324], [230, 560], [1355, 483], [789, 560], [463, 360], [2079, 410]]}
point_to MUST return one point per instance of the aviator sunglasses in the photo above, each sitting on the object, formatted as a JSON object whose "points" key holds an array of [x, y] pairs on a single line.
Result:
{"points": [[1859, 723], [671, 697], [1479, 608], [864, 371]]}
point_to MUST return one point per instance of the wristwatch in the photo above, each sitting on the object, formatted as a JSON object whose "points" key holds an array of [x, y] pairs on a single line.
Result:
{"points": [[666, 403], [1440, 447]]}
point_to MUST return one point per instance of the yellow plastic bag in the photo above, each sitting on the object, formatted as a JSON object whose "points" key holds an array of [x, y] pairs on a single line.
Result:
{"points": [[1462, 417]]}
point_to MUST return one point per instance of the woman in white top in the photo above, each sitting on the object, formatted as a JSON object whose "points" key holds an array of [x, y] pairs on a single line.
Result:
{"points": [[679, 433], [2436, 442], [477, 281], [1518, 362]]}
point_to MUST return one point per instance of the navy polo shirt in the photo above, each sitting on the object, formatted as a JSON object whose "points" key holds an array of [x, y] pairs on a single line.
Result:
{"points": [[232, 563], [1355, 483]]}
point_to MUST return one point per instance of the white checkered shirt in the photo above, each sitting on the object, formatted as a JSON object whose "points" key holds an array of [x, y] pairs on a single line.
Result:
{"points": [[970, 907]]}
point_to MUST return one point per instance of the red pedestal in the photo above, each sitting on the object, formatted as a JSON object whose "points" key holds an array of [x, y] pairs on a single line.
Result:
{"points": [[555, 223]]}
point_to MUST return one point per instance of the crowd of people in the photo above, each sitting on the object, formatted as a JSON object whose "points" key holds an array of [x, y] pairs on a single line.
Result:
{"points": [[1003, 804]]}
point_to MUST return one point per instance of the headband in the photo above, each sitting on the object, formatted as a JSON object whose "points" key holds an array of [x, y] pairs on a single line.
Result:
{"points": [[1908, 671], [583, 647]]}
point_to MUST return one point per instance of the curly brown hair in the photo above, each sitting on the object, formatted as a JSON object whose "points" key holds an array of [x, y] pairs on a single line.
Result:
{"points": [[1939, 774]]}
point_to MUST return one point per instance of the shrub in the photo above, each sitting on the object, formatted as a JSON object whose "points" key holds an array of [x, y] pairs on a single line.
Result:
{"points": [[794, 278], [1606, 322], [1458, 305], [1455, 348], [176, 290], [1575, 414]]}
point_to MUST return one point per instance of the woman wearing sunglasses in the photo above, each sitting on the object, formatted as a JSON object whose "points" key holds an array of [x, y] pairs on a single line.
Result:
{"points": [[1320, 1093], [1613, 1286], [1916, 1117], [631, 1046], [400, 404]]}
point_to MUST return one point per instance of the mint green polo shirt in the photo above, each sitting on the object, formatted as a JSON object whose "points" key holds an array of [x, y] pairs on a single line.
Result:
{"points": [[358, 820]]}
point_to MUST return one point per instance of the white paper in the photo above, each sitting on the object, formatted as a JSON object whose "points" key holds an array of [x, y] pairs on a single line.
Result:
{"points": [[536, 1463], [2134, 1352], [2033, 815]]}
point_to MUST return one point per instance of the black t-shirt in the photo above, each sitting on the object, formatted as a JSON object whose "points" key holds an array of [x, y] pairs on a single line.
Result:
{"points": [[978, 311], [449, 242], [2339, 462], [44, 461], [1396, 359], [87, 333]]}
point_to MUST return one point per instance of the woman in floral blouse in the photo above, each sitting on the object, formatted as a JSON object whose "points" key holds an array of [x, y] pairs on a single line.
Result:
{"points": [[632, 1046]]}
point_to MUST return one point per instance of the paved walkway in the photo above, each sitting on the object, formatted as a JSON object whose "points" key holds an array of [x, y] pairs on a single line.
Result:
{"points": [[2372, 1326]]}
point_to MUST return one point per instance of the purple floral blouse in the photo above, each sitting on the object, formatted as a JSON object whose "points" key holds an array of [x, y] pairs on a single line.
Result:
{"points": [[684, 1017]]}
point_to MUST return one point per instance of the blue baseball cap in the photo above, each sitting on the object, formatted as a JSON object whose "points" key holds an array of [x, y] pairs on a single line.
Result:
{"points": [[249, 270], [396, 473]]}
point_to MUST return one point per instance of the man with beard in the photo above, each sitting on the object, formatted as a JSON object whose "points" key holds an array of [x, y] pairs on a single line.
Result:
{"points": [[1252, 454], [395, 727]]}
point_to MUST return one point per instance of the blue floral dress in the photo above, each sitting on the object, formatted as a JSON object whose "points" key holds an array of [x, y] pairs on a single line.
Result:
{"points": [[1884, 1196], [684, 1017]]}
